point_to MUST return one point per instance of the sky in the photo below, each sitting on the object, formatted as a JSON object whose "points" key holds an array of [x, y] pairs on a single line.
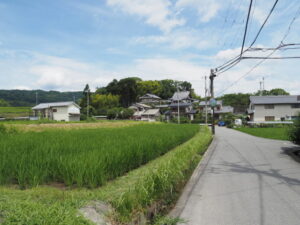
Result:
{"points": [[64, 44]]}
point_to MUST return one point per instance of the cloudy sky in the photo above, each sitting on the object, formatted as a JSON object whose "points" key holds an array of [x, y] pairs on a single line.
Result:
{"points": [[64, 44]]}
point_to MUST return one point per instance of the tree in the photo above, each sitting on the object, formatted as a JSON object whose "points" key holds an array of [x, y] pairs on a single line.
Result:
{"points": [[127, 91], [84, 100], [294, 132], [278, 91], [168, 88], [239, 101], [275, 91], [102, 103], [3, 103], [149, 86], [113, 87]]}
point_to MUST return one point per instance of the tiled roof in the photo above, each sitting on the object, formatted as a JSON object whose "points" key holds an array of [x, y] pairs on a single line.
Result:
{"points": [[150, 96], [181, 95], [150, 112], [280, 99]]}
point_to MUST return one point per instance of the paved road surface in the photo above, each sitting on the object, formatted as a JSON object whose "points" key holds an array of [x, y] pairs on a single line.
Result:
{"points": [[243, 180]]}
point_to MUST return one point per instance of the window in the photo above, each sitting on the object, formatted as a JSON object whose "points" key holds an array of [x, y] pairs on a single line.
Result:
{"points": [[269, 106], [295, 106], [54, 110], [269, 118]]}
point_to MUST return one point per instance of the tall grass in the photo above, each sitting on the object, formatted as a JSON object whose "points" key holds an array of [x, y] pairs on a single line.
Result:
{"points": [[88, 157]]}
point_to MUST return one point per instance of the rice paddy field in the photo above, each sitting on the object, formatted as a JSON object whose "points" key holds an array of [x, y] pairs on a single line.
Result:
{"points": [[9, 112], [84, 157]]}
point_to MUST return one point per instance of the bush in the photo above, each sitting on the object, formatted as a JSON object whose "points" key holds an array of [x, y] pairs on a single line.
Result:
{"points": [[119, 113], [294, 131]]}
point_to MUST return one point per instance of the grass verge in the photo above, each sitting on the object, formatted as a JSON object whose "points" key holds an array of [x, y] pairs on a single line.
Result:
{"points": [[143, 192], [278, 133]]}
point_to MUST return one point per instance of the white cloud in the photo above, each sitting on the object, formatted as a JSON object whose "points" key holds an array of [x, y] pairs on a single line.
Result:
{"points": [[156, 12], [179, 39], [207, 9]]}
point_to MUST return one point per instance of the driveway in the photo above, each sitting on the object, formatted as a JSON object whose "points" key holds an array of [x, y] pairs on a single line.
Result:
{"points": [[243, 180]]}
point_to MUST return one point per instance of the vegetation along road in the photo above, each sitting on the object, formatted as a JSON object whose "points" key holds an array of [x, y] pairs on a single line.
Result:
{"points": [[243, 180]]}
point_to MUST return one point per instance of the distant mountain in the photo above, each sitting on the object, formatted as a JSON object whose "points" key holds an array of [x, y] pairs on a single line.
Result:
{"points": [[28, 97]]}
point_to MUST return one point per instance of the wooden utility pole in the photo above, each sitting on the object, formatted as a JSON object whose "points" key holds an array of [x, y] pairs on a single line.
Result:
{"points": [[211, 77], [205, 101]]}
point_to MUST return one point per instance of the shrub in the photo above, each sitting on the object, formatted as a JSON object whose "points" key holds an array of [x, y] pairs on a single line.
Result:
{"points": [[294, 131]]}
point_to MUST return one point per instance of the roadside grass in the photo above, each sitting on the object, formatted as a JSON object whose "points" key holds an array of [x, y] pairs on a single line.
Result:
{"points": [[84, 157], [143, 192], [9, 112], [278, 133]]}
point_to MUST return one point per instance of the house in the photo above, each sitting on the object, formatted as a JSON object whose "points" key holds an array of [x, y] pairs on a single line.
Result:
{"points": [[272, 108], [139, 109], [150, 115], [60, 111], [220, 110], [150, 98], [181, 102]]}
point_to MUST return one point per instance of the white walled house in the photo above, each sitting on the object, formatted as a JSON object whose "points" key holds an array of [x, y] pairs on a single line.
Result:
{"points": [[59, 111], [273, 108]]}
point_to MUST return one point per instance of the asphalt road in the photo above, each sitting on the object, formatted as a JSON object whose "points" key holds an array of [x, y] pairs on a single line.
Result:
{"points": [[243, 180]]}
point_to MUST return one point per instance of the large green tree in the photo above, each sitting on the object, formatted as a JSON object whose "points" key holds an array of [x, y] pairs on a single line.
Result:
{"points": [[149, 86], [239, 101]]}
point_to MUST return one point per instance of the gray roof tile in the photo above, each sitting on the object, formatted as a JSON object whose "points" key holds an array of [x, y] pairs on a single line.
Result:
{"points": [[280, 99]]}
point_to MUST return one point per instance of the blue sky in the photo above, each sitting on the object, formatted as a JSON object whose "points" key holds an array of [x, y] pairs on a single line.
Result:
{"points": [[64, 44]]}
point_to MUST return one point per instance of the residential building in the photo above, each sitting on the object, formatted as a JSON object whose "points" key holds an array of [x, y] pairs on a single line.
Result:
{"points": [[150, 98], [273, 108], [220, 110], [139, 109], [60, 111], [181, 101], [151, 115]]}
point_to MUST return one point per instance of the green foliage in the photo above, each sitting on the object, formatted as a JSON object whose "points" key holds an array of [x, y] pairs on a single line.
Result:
{"points": [[240, 102], [294, 131], [28, 97], [119, 113], [149, 86], [183, 119], [168, 221], [229, 119], [86, 157], [275, 91], [3, 103]]}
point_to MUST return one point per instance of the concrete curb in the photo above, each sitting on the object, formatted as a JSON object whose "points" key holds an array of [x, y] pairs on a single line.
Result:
{"points": [[189, 187]]}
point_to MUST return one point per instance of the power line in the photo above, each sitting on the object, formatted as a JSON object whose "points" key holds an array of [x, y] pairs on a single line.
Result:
{"points": [[262, 26], [234, 60], [246, 74], [246, 27], [282, 57]]}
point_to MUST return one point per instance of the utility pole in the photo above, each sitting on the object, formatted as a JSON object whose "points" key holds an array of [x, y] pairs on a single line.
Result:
{"points": [[205, 101], [88, 103], [263, 83], [36, 98], [260, 88], [211, 77], [178, 111]]}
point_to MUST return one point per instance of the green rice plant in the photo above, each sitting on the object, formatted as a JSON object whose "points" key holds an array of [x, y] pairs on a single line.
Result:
{"points": [[84, 157]]}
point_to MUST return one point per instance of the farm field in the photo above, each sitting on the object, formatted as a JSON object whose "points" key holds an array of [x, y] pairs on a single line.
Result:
{"points": [[10, 112], [278, 133], [151, 186], [84, 157]]}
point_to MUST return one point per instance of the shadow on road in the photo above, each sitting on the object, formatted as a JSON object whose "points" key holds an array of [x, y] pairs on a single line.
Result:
{"points": [[293, 151]]}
